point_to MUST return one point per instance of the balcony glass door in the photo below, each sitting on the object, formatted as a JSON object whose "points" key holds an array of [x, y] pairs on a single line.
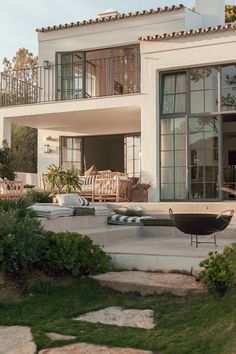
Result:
{"points": [[70, 83]]}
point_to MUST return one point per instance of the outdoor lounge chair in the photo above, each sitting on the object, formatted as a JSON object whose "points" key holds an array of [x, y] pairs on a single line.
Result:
{"points": [[201, 224], [11, 189]]}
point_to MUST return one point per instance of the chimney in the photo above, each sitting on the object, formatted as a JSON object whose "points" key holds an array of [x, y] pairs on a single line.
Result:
{"points": [[212, 11], [108, 13]]}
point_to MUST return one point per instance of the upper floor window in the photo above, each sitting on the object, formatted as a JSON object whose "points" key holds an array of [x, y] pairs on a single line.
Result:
{"points": [[203, 90], [228, 90], [174, 93]]}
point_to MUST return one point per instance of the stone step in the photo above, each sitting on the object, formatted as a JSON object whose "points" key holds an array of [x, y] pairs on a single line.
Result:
{"points": [[162, 253], [107, 235], [151, 283], [73, 222]]}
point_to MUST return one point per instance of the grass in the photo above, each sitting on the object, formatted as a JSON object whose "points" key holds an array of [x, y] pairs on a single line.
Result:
{"points": [[191, 325]]}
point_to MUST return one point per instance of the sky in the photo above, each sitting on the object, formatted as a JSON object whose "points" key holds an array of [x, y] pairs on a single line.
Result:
{"points": [[20, 18]]}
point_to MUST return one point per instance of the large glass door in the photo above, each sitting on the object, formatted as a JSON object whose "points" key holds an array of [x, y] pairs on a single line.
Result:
{"points": [[204, 158]]}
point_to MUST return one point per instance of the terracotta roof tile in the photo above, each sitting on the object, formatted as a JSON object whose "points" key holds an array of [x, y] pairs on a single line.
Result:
{"points": [[181, 34], [111, 18]]}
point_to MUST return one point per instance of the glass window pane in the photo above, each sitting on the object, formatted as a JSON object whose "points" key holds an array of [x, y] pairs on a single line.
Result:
{"points": [[229, 87], [196, 141], [180, 82], [211, 190], [197, 190], [169, 84], [180, 174], [180, 103], [197, 173], [180, 125], [167, 191], [167, 142], [167, 126], [180, 142], [167, 158], [211, 158], [211, 78], [197, 102], [211, 124], [196, 125], [167, 175], [212, 173], [211, 101], [168, 104], [180, 158], [180, 191], [197, 79]]}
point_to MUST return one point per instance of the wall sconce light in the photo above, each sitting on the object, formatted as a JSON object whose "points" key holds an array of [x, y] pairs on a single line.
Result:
{"points": [[46, 149], [46, 64]]}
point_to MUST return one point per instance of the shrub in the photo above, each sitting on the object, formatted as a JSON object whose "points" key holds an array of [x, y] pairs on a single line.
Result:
{"points": [[19, 243], [38, 197], [218, 270], [72, 254], [20, 206]]}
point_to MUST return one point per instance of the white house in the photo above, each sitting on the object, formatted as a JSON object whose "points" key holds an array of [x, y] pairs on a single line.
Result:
{"points": [[148, 93]]}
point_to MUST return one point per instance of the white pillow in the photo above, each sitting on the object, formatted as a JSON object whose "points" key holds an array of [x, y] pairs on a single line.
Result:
{"points": [[71, 199]]}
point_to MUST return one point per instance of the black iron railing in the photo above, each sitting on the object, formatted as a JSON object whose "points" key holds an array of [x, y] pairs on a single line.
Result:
{"points": [[68, 81]]}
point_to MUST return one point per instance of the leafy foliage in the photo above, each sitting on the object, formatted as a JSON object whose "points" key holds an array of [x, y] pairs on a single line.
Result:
{"points": [[6, 162], [19, 243], [230, 13], [35, 196], [73, 254], [60, 179], [218, 271], [24, 148]]}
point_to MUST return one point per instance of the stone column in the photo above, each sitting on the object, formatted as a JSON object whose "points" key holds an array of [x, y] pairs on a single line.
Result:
{"points": [[5, 128]]}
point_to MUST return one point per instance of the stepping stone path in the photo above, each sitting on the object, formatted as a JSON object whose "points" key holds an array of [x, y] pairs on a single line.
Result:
{"points": [[57, 336], [151, 283], [120, 317], [16, 340], [83, 348]]}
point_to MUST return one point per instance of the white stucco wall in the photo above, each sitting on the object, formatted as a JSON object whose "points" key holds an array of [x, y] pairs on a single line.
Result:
{"points": [[110, 34], [45, 159]]}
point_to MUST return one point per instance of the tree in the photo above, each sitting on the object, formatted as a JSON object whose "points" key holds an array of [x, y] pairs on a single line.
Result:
{"points": [[230, 13], [6, 162], [24, 148], [21, 75], [20, 78]]}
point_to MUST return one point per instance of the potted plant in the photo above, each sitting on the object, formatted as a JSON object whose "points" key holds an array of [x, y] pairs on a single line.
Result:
{"points": [[59, 179], [138, 192]]}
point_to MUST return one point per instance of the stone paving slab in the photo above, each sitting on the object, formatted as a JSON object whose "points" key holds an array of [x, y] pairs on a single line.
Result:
{"points": [[16, 340], [120, 317], [83, 348], [151, 283]]}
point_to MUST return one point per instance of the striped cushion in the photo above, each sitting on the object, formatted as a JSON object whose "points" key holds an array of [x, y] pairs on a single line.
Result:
{"points": [[118, 219], [71, 199]]}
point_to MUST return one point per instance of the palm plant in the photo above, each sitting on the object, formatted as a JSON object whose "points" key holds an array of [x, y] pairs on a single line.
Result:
{"points": [[60, 179]]}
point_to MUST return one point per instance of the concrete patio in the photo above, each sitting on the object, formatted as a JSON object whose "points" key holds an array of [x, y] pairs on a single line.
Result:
{"points": [[150, 248]]}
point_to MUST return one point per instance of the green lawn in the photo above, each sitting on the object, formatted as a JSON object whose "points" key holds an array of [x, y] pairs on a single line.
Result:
{"points": [[191, 325]]}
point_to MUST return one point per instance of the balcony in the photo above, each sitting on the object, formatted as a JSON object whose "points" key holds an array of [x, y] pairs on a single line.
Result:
{"points": [[80, 79]]}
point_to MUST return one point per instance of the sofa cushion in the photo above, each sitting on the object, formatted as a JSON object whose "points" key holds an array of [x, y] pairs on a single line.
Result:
{"points": [[129, 211], [91, 171], [118, 219], [51, 212], [71, 199]]}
